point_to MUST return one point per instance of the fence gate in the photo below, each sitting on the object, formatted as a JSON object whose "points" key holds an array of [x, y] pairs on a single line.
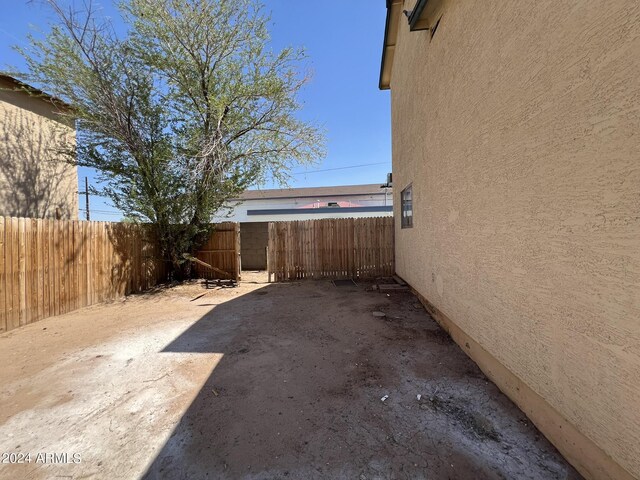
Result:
{"points": [[221, 251], [331, 248]]}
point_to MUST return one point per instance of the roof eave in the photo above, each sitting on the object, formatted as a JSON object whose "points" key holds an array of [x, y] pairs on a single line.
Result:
{"points": [[36, 92], [389, 42], [417, 21]]}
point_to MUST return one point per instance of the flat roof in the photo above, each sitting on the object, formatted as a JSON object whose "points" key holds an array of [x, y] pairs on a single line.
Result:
{"points": [[313, 192], [307, 211]]}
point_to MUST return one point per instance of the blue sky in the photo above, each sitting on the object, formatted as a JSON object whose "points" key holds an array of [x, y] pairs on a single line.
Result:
{"points": [[343, 40]]}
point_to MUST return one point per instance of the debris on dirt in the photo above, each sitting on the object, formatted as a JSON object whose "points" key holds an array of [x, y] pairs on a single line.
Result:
{"points": [[379, 314], [418, 397], [155, 379], [215, 392], [384, 398], [392, 288], [222, 283], [385, 280], [473, 422], [344, 283]]}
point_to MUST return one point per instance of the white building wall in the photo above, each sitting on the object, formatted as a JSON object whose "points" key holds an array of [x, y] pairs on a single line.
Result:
{"points": [[239, 209]]}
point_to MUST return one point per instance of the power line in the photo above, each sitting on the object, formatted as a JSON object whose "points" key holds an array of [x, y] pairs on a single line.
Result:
{"points": [[111, 212], [293, 173], [340, 168], [105, 212]]}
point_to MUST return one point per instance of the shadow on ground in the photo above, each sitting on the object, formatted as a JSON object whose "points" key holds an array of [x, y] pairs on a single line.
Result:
{"points": [[298, 395]]}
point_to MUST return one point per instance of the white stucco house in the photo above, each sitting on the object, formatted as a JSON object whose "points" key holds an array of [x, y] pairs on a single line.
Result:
{"points": [[256, 208], [348, 201]]}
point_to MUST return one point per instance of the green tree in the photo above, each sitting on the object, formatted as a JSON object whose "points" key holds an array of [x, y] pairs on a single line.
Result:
{"points": [[181, 113]]}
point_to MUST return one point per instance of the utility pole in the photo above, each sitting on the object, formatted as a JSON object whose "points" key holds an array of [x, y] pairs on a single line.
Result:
{"points": [[86, 198], [386, 186]]}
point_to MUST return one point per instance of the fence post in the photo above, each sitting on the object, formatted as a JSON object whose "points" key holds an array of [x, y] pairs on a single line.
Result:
{"points": [[266, 251]]}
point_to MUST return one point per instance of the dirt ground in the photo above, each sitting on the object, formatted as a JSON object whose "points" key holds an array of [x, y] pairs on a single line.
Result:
{"points": [[262, 381]]}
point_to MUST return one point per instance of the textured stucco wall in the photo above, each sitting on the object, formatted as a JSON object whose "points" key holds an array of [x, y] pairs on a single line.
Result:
{"points": [[254, 238], [34, 181], [518, 125]]}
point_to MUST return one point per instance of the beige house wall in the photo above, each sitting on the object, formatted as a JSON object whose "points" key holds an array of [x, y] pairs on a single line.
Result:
{"points": [[34, 179], [518, 126]]}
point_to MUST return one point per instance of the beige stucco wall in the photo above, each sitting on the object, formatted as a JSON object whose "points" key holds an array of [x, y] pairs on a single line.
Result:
{"points": [[34, 179], [518, 125]]}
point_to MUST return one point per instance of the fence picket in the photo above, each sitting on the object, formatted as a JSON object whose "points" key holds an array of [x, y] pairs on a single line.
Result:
{"points": [[331, 248], [49, 267]]}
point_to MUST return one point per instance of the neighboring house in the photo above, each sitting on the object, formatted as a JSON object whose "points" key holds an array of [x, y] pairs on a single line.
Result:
{"points": [[348, 201], [35, 181], [255, 208], [516, 167]]}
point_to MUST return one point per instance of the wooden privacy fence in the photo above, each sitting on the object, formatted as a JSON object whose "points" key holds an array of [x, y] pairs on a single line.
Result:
{"points": [[222, 251], [51, 267], [331, 248]]}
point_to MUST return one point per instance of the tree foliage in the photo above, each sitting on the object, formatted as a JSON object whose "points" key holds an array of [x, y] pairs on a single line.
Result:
{"points": [[182, 112]]}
